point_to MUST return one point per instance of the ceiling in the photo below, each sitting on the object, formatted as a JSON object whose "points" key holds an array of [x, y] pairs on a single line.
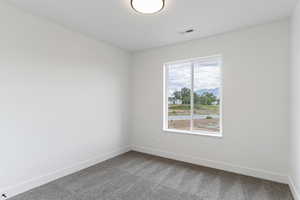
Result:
{"points": [[115, 22]]}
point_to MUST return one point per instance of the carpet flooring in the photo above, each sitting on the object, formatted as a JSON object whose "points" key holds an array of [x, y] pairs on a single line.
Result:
{"points": [[137, 176]]}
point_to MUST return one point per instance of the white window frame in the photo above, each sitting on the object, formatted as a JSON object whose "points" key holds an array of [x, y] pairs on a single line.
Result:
{"points": [[218, 134]]}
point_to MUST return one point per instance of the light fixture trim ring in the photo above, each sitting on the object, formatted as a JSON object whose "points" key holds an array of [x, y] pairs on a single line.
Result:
{"points": [[162, 7]]}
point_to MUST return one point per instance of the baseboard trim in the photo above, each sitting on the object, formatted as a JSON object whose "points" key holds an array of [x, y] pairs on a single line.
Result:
{"points": [[295, 193], [215, 164], [38, 181]]}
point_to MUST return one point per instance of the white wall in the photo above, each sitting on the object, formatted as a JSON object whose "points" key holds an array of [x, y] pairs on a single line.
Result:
{"points": [[63, 100], [295, 103], [255, 111]]}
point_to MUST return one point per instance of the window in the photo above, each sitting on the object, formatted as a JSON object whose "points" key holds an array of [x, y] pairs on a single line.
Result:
{"points": [[193, 96]]}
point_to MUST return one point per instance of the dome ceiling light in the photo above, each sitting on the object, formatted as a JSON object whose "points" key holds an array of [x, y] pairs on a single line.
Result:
{"points": [[147, 6]]}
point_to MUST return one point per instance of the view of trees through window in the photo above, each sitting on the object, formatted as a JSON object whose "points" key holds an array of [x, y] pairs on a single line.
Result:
{"points": [[194, 95]]}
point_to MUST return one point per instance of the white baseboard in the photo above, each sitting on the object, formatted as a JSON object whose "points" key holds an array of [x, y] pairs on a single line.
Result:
{"points": [[38, 181], [216, 164], [295, 193]]}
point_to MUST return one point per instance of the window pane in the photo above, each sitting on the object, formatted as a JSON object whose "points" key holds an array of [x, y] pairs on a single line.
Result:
{"points": [[179, 96], [207, 85]]}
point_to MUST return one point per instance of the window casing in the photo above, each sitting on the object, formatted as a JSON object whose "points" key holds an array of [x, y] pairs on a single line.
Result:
{"points": [[193, 96]]}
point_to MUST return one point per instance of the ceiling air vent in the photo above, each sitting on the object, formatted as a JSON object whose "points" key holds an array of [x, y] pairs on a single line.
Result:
{"points": [[187, 31]]}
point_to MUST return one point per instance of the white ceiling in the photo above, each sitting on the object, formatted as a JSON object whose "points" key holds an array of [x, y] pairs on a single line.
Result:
{"points": [[115, 22]]}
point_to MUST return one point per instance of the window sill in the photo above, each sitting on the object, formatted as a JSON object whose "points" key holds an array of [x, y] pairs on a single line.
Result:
{"points": [[200, 133]]}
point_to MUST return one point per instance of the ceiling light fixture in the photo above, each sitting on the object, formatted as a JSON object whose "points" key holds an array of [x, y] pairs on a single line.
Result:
{"points": [[147, 6]]}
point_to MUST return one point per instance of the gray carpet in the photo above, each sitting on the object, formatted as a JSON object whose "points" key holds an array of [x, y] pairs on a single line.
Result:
{"points": [[137, 176]]}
